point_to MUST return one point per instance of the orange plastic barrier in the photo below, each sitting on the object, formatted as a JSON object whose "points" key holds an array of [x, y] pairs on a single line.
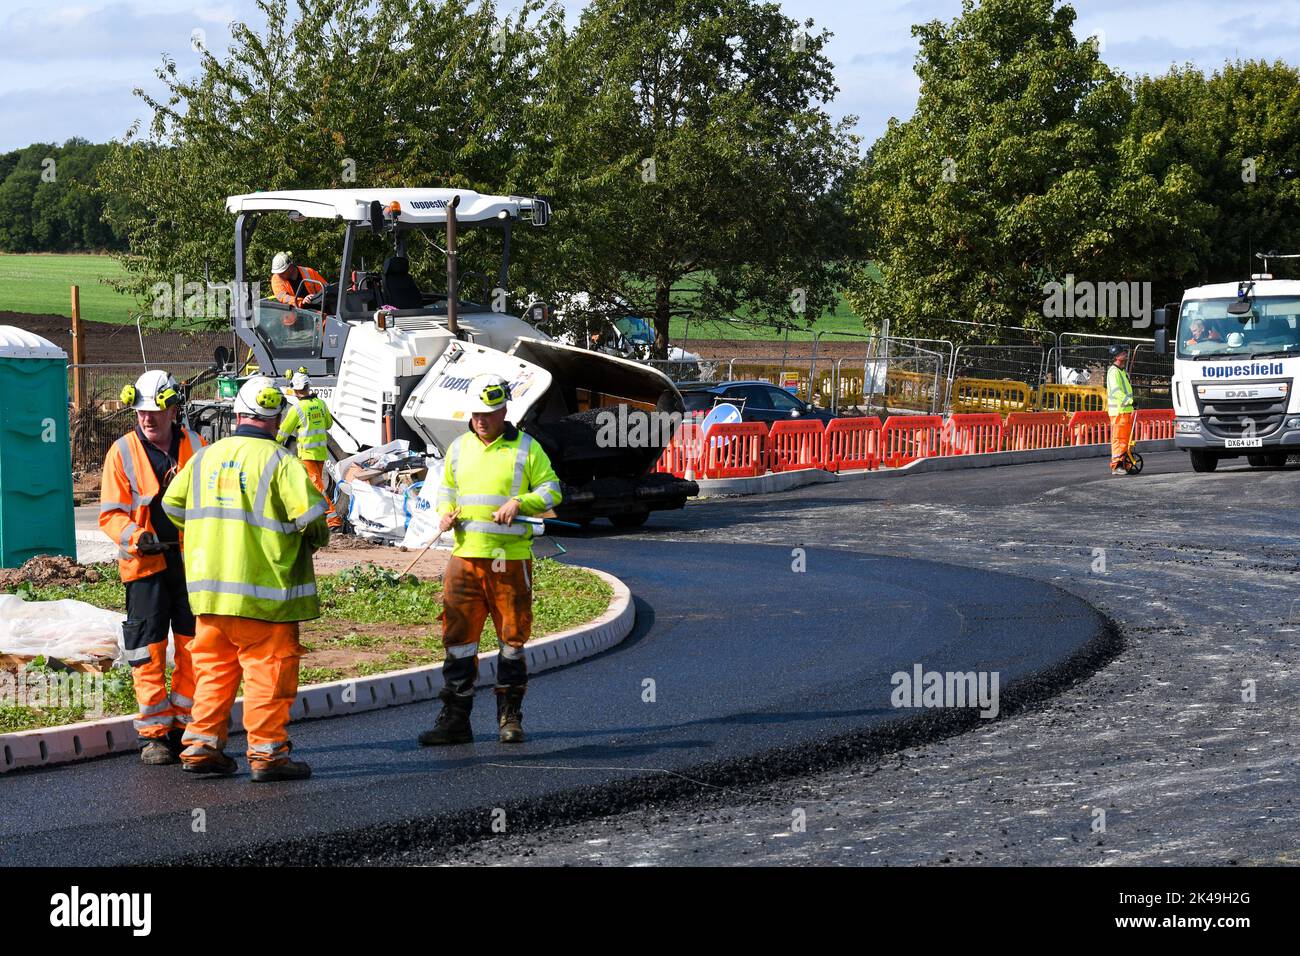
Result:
{"points": [[1026, 430], [792, 445], [972, 434], [684, 451], [906, 438], [736, 450], [1153, 424], [851, 443], [1089, 428]]}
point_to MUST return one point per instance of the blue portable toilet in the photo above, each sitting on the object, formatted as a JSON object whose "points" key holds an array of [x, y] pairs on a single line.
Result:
{"points": [[35, 449]]}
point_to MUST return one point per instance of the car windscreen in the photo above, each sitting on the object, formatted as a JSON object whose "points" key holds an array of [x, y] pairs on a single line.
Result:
{"points": [[1207, 330], [697, 401]]}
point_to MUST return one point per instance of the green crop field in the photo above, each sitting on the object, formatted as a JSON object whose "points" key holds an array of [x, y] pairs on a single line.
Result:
{"points": [[41, 285]]}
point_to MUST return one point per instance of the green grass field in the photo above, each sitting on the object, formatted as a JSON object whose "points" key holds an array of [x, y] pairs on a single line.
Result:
{"points": [[41, 285]]}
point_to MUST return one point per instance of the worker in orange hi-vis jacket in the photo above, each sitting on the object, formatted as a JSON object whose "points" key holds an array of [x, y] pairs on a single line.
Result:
{"points": [[137, 469], [299, 286]]}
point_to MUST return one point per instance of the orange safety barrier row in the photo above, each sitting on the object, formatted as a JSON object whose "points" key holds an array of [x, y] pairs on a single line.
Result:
{"points": [[1089, 428], [906, 438], [1153, 424], [792, 445], [851, 444], [1027, 430], [749, 449], [972, 434], [736, 450]]}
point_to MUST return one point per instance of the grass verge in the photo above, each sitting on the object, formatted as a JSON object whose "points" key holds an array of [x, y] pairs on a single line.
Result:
{"points": [[371, 621]]}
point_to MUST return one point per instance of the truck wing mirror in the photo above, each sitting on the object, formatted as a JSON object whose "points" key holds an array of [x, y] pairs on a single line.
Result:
{"points": [[1162, 318], [376, 217], [1162, 340]]}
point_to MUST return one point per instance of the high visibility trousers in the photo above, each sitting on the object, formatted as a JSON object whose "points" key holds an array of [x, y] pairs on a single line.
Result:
{"points": [[316, 471], [160, 711], [155, 605], [1121, 431], [266, 656], [472, 591]]}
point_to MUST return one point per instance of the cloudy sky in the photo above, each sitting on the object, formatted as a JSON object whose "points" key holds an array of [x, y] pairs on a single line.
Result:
{"points": [[68, 68]]}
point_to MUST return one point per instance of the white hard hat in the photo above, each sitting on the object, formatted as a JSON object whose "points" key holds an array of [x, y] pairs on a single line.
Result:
{"points": [[259, 398], [488, 393], [281, 263], [300, 381], [154, 391]]}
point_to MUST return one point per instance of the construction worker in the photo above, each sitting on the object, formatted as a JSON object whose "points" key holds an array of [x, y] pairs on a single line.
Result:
{"points": [[251, 519], [492, 474], [295, 285], [1119, 405], [138, 467], [309, 421]]}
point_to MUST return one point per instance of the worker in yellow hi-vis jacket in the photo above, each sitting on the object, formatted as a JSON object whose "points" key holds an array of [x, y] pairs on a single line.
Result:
{"points": [[309, 421], [1119, 405], [492, 474]]}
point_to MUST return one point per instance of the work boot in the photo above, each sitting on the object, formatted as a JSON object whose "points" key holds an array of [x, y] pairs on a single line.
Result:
{"points": [[208, 761], [156, 753], [174, 740], [452, 725], [272, 771], [510, 714]]}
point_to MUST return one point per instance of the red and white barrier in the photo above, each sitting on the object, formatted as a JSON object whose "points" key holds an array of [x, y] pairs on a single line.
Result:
{"points": [[736, 450], [906, 438], [1153, 424], [1031, 430], [850, 444], [976, 433], [792, 445], [1089, 428]]}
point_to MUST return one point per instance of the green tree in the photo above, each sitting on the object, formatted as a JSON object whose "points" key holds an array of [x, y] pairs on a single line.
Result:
{"points": [[692, 163], [1014, 171], [1235, 135], [337, 94]]}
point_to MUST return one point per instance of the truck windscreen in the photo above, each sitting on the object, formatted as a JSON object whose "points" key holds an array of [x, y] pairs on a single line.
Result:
{"points": [[1207, 330]]}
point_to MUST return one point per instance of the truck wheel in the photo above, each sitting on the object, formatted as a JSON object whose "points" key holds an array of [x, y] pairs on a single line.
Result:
{"points": [[1204, 460], [634, 520], [1269, 459]]}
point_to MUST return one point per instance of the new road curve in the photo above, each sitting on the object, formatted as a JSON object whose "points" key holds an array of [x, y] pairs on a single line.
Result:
{"points": [[755, 657]]}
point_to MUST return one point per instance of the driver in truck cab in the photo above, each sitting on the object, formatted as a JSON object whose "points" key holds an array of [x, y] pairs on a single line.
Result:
{"points": [[295, 285], [1200, 333]]}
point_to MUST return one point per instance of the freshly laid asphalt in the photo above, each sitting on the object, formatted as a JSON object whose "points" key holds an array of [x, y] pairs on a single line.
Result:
{"points": [[748, 660]]}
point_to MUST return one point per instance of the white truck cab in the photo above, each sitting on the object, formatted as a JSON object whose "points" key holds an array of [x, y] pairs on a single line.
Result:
{"points": [[1236, 348]]}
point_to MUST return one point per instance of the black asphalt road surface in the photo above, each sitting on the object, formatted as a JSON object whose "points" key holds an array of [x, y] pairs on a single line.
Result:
{"points": [[748, 661]]}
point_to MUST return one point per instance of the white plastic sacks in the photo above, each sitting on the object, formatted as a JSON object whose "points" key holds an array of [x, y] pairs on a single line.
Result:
{"points": [[68, 630]]}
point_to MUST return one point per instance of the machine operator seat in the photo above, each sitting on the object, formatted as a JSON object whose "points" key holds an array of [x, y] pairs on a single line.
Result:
{"points": [[399, 288]]}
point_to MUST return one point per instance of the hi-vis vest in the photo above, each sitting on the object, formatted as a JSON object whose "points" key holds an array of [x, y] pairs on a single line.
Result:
{"points": [[480, 478], [127, 488], [1119, 391], [310, 421], [244, 505]]}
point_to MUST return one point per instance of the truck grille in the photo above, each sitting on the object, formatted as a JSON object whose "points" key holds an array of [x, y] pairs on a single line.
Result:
{"points": [[1229, 419]]}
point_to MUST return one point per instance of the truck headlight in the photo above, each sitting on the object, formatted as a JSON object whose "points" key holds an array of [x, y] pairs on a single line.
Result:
{"points": [[1293, 423], [1189, 426]]}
